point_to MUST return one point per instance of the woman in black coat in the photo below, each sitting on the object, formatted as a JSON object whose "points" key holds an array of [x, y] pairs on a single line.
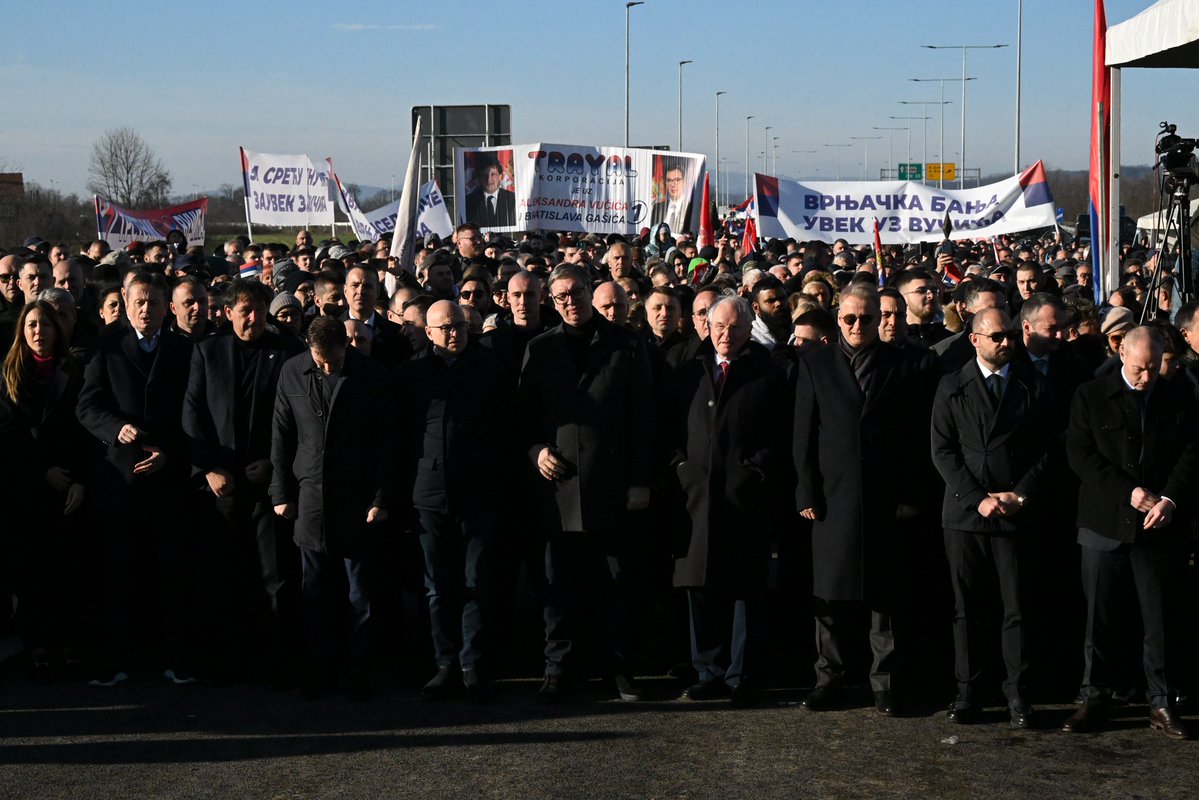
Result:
{"points": [[45, 457]]}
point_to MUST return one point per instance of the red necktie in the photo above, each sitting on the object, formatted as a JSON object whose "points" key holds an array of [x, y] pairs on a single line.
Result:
{"points": [[724, 374]]}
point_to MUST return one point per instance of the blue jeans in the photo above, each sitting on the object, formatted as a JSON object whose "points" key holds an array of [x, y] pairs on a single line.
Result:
{"points": [[458, 568]]}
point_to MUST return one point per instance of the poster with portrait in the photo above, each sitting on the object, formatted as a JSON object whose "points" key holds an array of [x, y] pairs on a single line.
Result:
{"points": [[577, 188]]}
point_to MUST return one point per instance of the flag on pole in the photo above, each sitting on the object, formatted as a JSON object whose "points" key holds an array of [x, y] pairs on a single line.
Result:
{"points": [[1101, 99], [402, 248], [878, 250], [706, 236], [749, 242]]}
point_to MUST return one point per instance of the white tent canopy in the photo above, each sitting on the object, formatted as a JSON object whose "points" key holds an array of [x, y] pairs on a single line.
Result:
{"points": [[1154, 221], [1164, 35]]}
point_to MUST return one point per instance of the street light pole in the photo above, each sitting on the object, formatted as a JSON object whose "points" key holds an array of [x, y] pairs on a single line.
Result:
{"points": [[891, 158], [627, 7], [801, 155], [718, 94], [766, 149], [924, 134], [838, 152], [963, 48], [909, 135], [941, 183], [681, 65], [774, 157], [1019, 57], [865, 140], [747, 167]]}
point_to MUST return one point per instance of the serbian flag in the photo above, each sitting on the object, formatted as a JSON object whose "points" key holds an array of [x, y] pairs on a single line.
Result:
{"points": [[706, 237], [1101, 100], [878, 248], [749, 242]]}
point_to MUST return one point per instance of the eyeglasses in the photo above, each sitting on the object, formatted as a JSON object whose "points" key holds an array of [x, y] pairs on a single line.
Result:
{"points": [[998, 336], [574, 295], [469, 293], [921, 290], [455, 327], [1117, 338], [853, 319], [699, 312], [9, 278]]}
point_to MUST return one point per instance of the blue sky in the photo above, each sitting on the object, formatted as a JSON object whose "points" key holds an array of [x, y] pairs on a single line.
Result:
{"points": [[198, 80]]}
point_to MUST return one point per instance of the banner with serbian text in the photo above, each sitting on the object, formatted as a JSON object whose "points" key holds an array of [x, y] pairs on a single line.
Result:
{"points": [[119, 226], [906, 210], [285, 190], [363, 229], [432, 216], [560, 187]]}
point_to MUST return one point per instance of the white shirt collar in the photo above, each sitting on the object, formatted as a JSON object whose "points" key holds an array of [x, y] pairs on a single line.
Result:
{"points": [[987, 373]]}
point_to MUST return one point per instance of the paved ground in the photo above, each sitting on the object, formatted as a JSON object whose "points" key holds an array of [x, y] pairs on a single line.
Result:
{"points": [[147, 739]]}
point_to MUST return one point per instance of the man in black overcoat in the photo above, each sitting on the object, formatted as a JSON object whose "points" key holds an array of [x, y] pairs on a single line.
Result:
{"points": [[132, 401], [332, 472], [859, 427], [991, 435], [730, 405], [251, 567], [583, 390], [1133, 441]]}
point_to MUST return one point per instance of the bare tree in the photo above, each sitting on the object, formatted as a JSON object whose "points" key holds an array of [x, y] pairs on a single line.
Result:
{"points": [[125, 170]]}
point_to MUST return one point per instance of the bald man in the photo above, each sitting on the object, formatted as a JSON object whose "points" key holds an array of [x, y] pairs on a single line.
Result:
{"points": [[455, 407], [523, 321], [990, 435], [612, 302], [1133, 441]]}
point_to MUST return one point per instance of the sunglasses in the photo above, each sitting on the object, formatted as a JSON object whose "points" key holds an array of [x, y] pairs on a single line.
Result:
{"points": [[998, 336], [469, 293], [457, 327], [853, 319]]}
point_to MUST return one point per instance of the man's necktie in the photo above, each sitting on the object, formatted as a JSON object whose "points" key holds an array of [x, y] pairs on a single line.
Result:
{"points": [[995, 384], [722, 377], [491, 209], [1042, 365]]}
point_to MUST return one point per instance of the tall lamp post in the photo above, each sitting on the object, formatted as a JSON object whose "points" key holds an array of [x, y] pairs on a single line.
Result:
{"points": [[801, 154], [925, 119], [838, 152], [718, 161], [627, 7], [747, 164], [865, 140], [774, 156], [963, 48], [891, 133], [924, 135], [940, 184], [766, 149], [681, 65]]}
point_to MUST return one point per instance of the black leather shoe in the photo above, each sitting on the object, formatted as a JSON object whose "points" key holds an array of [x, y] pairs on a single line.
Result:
{"points": [[443, 684], [1089, 717], [823, 698], [627, 688], [746, 695], [884, 703], [1022, 715], [1169, 723], [552, 690], [475, 686], [713, 689], [962, 713]]}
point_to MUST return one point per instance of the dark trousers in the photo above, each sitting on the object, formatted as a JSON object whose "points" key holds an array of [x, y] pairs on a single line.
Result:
{"points": [[980, 564], [725, 634], [1152, 568], [835, 622], [49, 560], [328, 582], [458, 569], [584, 580], [249, 583]]}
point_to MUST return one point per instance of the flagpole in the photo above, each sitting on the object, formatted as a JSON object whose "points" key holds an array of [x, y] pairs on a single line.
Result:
{"points": [[245, 184], [1113, 173]]}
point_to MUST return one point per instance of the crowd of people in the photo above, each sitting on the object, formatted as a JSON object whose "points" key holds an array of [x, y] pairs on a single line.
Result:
{"points": [[223, 465]]}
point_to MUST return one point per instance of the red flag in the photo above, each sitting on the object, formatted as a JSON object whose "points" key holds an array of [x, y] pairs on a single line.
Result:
{"points": [[1101, 100], [749, 242], [706, 236], [878, 248]]}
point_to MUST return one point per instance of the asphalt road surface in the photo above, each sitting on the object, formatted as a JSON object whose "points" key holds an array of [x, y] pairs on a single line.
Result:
{"points": [[147, 739]]}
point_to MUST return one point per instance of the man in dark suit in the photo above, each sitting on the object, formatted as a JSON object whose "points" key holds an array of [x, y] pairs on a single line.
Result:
{"points": [[675, 209], [132, 401], [491, 206], [583, 390], [251, 570], [457, 401], [858, 430], [970, 297], [331, 472], [990, 441], [728, 404], [1133, 441], [389, 346]]}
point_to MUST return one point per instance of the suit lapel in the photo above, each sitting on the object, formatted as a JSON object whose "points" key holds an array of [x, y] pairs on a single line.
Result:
{"points": [[134, 352]]}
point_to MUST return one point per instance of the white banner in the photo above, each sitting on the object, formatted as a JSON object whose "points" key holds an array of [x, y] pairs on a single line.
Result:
{"points": [[906, 211], [363, 229], [559, 187], [285, 190]]}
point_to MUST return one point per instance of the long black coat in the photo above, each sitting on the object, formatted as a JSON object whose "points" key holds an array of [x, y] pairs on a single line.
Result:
{"points": [[456, 420], [389, 346], [733, 465], [42, 431], [979, 449], [592, 417], [118, 390], [854, 455], [212, 390], [1112, 456], [334, 467]]}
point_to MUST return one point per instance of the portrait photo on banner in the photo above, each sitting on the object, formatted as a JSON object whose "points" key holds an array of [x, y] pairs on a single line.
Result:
{"points": [[489, 182], [674, 184]]}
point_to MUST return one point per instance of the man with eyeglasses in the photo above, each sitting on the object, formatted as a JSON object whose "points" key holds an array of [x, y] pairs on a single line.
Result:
{"points": [[11, 299], [991, 436], [468, 241], [476, 292], [583, 388], [859, 421], [922, 294], [456, 404]]}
